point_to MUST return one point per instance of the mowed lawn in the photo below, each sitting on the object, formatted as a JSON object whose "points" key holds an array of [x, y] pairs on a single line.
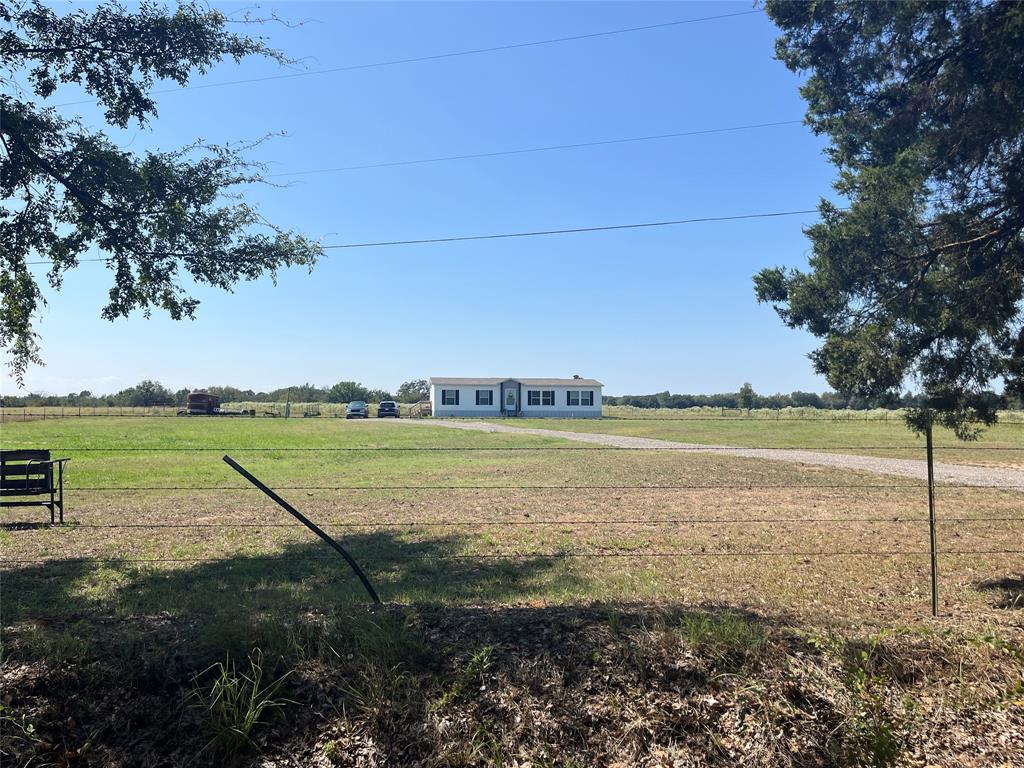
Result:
{"points": [[158, 522], [1001, 445]]}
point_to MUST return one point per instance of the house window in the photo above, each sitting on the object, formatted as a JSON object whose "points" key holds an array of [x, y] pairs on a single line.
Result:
{"points": [[580, 398], [540, 397], [449, 397], [484, 397]]}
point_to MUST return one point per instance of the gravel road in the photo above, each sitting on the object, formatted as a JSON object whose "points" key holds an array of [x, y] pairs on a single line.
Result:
{"points": [[957, 474]]}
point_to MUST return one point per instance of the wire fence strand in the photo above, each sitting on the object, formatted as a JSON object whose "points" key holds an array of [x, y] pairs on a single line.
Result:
{"points": [[558, 555], [529, 523], [678, 487], [694, 448]]}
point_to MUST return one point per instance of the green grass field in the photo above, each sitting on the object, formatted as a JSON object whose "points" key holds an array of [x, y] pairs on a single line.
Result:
{"points": [[435, 501], [531, 546], [999, 445]]}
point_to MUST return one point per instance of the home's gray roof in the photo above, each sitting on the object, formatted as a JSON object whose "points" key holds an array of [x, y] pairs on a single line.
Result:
{"points": [[456, 382]]}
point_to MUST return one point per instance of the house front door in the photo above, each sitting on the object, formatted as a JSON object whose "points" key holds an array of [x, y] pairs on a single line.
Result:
{"points": [[510, 400]]}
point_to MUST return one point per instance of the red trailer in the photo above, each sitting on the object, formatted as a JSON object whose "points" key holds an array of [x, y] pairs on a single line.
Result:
{"points": [[205, 404], [202, 403]]}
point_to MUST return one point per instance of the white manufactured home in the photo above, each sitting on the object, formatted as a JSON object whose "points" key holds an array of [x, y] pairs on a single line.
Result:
{"points": [[574, 398]]}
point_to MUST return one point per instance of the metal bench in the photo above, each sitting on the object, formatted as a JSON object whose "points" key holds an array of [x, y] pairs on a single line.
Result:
{"points": [[31, 473]]}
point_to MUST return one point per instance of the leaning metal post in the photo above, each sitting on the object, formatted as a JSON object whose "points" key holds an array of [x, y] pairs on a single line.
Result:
{"points": [[931, 517], [306, 522]]}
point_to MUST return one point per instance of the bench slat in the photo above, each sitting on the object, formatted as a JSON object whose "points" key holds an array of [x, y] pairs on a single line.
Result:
{"points": [[23, 470], [24, 454], [32, 486]]}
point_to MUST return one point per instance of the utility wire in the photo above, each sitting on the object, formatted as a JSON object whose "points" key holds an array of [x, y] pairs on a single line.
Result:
{"points": [[575, 230], [550, 148], [504, 235], [438, 56]]}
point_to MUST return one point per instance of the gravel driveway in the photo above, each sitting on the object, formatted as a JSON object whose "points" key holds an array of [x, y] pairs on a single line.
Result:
{"points": [[958, 474]]}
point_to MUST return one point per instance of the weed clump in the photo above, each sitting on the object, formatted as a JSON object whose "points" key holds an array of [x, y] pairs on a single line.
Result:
{"points": [[237, 702]]}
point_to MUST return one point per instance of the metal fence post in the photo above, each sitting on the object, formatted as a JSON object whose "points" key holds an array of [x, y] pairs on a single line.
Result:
{"points": [[308, 523], [931, 517]]}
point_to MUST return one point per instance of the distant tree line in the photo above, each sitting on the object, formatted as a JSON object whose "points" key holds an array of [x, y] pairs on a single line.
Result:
{"points": [[149, 393], [747, 398]]}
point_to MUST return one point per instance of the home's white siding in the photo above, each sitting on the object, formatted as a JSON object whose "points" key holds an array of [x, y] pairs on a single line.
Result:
{"points": [[468, 408], [561, 409], [467, 401]]}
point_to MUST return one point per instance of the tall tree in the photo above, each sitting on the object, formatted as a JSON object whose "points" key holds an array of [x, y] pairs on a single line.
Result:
{"points": [[347, 392], [746, 396], [157, 217], [921, 276], [413, 391], [145, 393]]}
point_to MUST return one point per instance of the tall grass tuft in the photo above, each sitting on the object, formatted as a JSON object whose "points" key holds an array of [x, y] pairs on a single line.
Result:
{"points": [[237, 703], [723, 635]]}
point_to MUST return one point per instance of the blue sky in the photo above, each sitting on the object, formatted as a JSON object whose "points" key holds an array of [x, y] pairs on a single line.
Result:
{"points": [[642, 310]]}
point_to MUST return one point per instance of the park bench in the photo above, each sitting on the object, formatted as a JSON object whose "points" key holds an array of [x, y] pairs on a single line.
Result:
{"points": [[30, 473]]}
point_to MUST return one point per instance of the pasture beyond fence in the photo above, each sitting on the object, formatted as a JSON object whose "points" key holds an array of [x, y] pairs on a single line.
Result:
{"points": [[337, 410], [266, 410], [435, 513]]}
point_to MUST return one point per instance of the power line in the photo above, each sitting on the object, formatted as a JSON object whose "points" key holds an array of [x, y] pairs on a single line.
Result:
{"points": [[437, 56], [551, 148], [575, 230], [504, 235]]}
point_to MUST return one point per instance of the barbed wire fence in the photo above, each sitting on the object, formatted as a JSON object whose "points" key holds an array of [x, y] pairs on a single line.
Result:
{"points": [[613, 413], [924, 521]]}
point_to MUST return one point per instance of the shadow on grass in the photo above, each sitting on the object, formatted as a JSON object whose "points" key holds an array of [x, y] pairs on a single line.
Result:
{"points": [[231, 603], [106, 662], [367, 678], [1009, 591], [132, 642], [26, 526]]}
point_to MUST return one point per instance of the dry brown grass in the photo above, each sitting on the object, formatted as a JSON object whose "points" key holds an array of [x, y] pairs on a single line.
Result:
{"points": [[859, 542]]}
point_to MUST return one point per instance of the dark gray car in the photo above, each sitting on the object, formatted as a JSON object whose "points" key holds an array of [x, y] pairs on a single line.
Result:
{"points": [[357, 409], [388, 408]]}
